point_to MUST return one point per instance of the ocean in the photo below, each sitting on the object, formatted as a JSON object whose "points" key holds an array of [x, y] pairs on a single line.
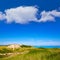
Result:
{"points": [[46, 46]]}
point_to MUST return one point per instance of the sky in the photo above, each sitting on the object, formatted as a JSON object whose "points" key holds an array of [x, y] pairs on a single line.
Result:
{"points": [[30, 22]]}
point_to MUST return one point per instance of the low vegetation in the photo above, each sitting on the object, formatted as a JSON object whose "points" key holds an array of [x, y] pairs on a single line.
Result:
{"points": [[29, 53]]}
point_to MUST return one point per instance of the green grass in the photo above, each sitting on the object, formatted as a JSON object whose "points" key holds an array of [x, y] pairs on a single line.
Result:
{"points": [[33, 54]]}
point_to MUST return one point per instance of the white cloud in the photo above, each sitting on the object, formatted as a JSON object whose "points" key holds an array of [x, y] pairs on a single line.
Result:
{"points": [[46, 16], [55, 13], [21, 14], [26, 14], [49, 16], [2, 16]]}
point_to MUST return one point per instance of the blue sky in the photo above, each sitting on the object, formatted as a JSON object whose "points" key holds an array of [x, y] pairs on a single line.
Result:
{"points": [[30, 22]]}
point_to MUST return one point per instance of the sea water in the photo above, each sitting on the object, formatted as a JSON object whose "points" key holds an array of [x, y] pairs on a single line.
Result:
{"points": [[47, 46]]}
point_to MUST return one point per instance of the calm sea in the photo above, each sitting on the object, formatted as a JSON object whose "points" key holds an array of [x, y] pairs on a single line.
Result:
{"points": [[47, 46]]}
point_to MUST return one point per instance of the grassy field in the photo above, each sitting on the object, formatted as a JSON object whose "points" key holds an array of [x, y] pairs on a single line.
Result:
{"points": [[29, 53]]}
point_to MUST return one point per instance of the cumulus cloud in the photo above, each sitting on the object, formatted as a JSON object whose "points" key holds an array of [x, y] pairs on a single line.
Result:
{"points": [[26, 14], [2, 16], [55, 13], [49, 16], [21, 14], [46, 16]]}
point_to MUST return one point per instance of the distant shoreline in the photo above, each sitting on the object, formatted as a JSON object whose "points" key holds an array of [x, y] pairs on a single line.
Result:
{"points": [[38, 46]]}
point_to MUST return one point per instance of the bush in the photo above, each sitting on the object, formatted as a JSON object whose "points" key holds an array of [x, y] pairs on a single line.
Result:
{"points": [[5, 50]]}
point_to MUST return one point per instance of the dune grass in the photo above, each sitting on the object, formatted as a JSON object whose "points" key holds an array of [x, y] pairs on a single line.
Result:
{"points": [[34, 54]]}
